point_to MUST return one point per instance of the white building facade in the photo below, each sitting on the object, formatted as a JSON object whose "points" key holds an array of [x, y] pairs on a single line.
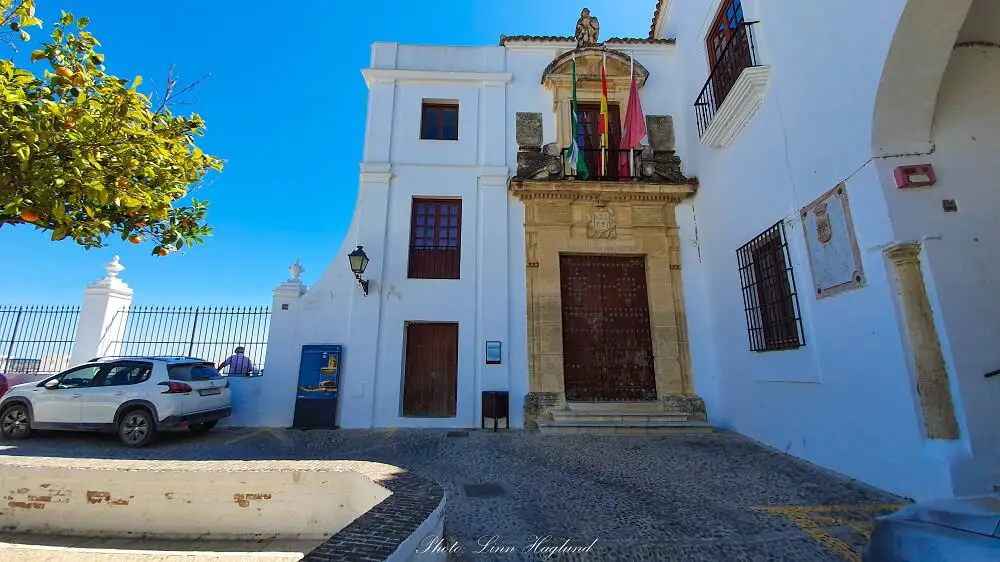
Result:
{"points": [[820, 304], [889, 385]]}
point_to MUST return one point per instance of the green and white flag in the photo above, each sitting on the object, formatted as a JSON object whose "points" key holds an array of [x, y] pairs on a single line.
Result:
{"points": [[577, 164]]}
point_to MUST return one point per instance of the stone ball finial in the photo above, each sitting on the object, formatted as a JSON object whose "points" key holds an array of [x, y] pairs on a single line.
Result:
{"points": [[114, 267], [296, 269]]}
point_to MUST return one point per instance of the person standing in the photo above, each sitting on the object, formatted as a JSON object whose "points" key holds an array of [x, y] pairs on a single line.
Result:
{"points": [[238, 363]]}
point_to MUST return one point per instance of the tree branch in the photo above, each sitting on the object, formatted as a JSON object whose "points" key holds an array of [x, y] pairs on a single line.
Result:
{"points": [[11, 14], [171, 93]]}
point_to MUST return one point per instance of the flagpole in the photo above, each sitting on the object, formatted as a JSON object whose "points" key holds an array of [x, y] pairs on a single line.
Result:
{"points": [[604, 133], [631, 78], [572, 123]]}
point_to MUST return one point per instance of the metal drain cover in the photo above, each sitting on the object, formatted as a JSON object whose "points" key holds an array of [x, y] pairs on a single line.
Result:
{"points": [[487, 490], [458, 434]]}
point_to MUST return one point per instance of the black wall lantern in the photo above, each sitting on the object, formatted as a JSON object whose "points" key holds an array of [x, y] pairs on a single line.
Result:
{"points": [[359, 261]]}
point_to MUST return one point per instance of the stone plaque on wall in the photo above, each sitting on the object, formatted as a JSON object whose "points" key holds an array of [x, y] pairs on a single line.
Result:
{"points": [[648, 216], [554, 214], [834, 257]]}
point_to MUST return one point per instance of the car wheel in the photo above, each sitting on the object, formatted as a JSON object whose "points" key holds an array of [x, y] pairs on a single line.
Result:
{"points": [[136, 428], [15, 423], [203, 427]]}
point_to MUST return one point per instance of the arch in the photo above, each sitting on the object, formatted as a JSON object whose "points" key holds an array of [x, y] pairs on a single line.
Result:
{"points": [[907, 93], [561, 66]]}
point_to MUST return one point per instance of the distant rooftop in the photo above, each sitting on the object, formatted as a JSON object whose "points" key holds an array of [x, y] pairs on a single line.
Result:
{"points": [[650, 40], [505, 39]]}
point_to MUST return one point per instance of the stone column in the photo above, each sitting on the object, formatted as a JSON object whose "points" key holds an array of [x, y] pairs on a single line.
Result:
{"points": [[924, 346], [564, 125], [101, 327], [674, 257], [275, 404]]}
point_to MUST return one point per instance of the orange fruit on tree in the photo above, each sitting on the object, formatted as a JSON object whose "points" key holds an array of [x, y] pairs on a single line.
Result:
{"points": [[64, 72], [162, 252], [135, 239], [28, 215]]}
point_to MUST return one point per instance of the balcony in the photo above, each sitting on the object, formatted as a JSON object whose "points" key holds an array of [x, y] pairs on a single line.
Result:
{"points": [[616, 164], [434, 262], [734, 89]]}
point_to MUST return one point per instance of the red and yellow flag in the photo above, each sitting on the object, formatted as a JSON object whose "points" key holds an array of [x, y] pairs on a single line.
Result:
{"points": [[603, 120]]}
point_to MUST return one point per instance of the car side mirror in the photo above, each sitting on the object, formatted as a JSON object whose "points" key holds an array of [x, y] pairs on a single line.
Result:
{"points": [[52, 384]]}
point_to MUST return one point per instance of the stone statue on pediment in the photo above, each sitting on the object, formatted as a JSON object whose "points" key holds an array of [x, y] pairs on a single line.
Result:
{"points": [[587, 29]]}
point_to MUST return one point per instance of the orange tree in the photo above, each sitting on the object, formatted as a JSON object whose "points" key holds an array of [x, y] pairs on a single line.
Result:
{"points": [[84, 154]]}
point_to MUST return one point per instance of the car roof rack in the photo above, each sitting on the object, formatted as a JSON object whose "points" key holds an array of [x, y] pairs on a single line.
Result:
{"points": [[152, 357]]}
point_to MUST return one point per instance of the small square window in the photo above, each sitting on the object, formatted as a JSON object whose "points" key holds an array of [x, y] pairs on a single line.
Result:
{"points": [[439, 121]]}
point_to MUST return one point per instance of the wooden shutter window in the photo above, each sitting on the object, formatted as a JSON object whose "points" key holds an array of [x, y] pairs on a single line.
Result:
{"points": [[435, 239]]}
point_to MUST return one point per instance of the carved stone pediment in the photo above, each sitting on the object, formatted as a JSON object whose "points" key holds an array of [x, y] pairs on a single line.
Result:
{"points": [[559, 73]]}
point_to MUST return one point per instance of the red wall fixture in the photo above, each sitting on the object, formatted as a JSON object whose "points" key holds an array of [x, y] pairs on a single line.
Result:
{"points": [[919, 175]]}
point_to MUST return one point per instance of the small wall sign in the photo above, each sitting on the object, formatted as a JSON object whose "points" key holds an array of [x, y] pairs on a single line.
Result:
{"points": [[493, 353]]}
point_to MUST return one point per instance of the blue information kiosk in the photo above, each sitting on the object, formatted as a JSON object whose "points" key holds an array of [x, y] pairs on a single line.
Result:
{"points": [[319, 387]]}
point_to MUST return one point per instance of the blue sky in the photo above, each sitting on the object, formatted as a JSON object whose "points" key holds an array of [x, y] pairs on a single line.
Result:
{"points": [[285, 106]]}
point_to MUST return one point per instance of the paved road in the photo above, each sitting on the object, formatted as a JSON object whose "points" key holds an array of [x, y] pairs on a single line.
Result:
{"points": [[640, 497]]}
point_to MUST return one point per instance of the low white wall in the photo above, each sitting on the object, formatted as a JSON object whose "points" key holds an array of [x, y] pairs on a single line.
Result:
{"points": [[415, 548], [168, 502], [247, 400]]}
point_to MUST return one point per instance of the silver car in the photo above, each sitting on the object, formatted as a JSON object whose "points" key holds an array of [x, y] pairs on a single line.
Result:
{"points": [[952, 530]]}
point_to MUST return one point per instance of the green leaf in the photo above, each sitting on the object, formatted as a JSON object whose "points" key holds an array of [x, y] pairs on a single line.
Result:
{"points": [[136, 83], [37, 55], [25, 36], [58, 211], [67, 18], [59, 234], [83, 22]]}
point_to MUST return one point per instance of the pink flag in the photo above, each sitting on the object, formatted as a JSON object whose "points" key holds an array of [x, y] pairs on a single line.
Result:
{"points": [[635, 130]]}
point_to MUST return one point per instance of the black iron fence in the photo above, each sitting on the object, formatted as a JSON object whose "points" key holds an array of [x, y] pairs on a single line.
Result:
{"points": [[739, 53], [211, 333], [36, 340], [618, 164]]}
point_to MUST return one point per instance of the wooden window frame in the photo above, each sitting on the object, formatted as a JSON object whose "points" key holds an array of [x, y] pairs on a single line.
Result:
{"points": [[774, 321], [437, 110], [721, 17], [435, 261]]}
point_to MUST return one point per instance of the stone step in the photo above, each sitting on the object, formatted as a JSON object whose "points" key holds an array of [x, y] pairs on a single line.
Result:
{"points": [[554, 427], [618, 416], [616, 406]]}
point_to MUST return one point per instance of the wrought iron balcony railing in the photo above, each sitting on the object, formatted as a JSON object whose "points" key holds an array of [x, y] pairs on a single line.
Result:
{"points": [[619, 164], [739, 53]]}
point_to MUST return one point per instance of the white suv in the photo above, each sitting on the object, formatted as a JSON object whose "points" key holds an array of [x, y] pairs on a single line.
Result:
{"points": [[135, 396]]}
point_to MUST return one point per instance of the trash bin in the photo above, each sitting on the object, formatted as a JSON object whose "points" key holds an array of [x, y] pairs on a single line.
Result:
{"points": [[496, 405]]}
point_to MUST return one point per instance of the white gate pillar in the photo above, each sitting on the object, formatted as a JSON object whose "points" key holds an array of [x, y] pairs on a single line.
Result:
{"points": [[280, 383], [101, 326]]}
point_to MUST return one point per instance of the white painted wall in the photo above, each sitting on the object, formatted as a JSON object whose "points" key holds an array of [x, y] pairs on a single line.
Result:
{"points": [[398, 167], [257, 503], [962, 264], [845, 400]]}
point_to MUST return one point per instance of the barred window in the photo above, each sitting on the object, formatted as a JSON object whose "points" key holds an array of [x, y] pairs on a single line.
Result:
{"points": [[774, 321]]}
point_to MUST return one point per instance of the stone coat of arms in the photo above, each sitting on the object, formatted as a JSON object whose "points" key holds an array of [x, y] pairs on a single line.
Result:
{"points": [[602, 223], [824, 230]]}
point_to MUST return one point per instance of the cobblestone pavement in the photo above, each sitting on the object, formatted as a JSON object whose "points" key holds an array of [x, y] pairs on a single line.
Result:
{"points": [[708, 497]]}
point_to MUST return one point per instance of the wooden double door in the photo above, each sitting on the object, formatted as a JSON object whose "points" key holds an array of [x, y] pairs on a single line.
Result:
{"points": [[430, 378], [607, 343]]}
